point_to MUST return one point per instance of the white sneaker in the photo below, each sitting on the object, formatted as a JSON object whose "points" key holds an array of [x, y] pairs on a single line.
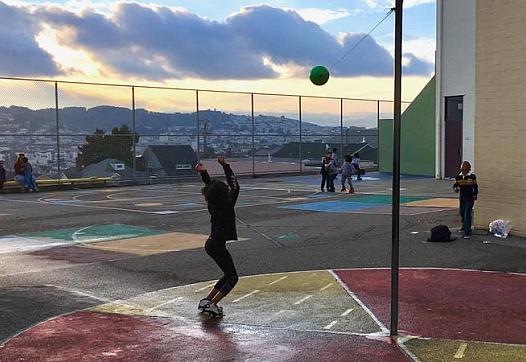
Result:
{"points": [[213, 310], [202, 303]]}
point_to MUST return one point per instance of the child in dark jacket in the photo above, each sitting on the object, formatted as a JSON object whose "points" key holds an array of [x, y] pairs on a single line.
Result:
{"points": [[324, 173], [221, 199], [466, 184], [331, 171]]}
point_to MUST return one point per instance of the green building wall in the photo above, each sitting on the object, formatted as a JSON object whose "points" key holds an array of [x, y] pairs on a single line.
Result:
{"points": [[417, 147]]}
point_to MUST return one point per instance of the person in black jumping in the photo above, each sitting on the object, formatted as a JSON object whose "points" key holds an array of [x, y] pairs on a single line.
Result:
{"points": [[221, 199]]}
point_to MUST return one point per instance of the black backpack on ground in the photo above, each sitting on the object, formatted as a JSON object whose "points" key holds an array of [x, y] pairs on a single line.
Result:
{"points": [[440, 234]]}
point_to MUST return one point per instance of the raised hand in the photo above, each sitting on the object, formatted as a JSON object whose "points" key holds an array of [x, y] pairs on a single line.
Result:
{"points": [[221, 160], [200, 167]]}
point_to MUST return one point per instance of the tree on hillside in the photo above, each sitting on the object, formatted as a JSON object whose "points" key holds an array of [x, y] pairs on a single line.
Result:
{"points": [[100, 146]]}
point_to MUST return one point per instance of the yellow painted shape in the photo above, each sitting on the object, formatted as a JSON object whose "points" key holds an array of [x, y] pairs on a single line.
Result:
{"points": [[303, 282], [154, 244], [461, 350], [301, 301], [438, 202], [118, 308], [465, 351]]}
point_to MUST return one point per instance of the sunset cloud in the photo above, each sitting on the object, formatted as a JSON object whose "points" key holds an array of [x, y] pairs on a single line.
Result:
{"points": [[154, 43]]}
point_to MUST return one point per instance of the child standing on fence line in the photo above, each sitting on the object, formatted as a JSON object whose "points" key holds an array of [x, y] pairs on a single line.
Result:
{"points": [[347, 174], [466, 183], [221, 199]]}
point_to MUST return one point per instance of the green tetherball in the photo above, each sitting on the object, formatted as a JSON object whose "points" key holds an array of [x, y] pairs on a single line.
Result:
{"points": [[319, 75]]}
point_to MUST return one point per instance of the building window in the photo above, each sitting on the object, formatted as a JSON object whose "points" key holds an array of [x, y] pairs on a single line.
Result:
{"points": [[184, 166]]}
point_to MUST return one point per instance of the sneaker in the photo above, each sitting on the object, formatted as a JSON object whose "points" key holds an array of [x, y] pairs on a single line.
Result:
{"points": [[322, 190], [213, 310], [351, 190], [467, 236], [343, 189], [202, 303]]}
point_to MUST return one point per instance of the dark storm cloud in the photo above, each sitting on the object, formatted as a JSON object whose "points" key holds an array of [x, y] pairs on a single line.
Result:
{"points": [[20, 54], [160, 42], [417, 66]]}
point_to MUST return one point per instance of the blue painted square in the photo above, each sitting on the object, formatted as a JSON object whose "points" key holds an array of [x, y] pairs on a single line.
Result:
{"points": [[330, 206], [320, 196]]}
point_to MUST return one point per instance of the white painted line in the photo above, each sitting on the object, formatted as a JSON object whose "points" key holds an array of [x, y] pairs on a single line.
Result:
{"points": [[277, 189], [278, 313], [206, 287], [130, 199], [167, 212], [364, 307], [420, 268], [75, 235], [400, 341], [245, 296], [149, 204], [303, 299], [79, 292], [14, 243], [84, 206], [346, 312], [5, 214], [165, 303], [278, 280], [414, 232], [330, 325], [461, 350], [325, 287]]}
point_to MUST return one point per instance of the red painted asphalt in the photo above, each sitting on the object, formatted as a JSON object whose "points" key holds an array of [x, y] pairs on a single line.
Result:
{"points": [[89, 336], [452, 304], [434, 303]]}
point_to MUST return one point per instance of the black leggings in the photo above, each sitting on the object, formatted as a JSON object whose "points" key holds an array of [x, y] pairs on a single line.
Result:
{"points": [[218, 252]]}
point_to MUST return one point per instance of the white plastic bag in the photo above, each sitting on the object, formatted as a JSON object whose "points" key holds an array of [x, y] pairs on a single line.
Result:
{"points": [[500, 228]]}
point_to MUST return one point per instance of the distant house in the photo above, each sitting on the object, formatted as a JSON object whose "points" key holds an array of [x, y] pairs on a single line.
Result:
{"points": [[264, 152], [315, 151], [169, 160], [109, 167], [353, 135]]}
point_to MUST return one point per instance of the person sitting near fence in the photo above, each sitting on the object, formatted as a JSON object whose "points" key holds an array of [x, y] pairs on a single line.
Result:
{"points": [[19, 171], [28, 175], [2, 175]]}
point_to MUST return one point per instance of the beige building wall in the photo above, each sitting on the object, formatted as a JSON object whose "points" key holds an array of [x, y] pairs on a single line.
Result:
{"points": [[500, 114]]}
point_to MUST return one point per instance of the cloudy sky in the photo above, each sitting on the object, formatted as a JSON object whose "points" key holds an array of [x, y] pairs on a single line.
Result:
{"points": [[265, 46]]}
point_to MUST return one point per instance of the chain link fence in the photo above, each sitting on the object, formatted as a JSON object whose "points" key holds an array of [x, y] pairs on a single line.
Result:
{"points": [[75, 130]]}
